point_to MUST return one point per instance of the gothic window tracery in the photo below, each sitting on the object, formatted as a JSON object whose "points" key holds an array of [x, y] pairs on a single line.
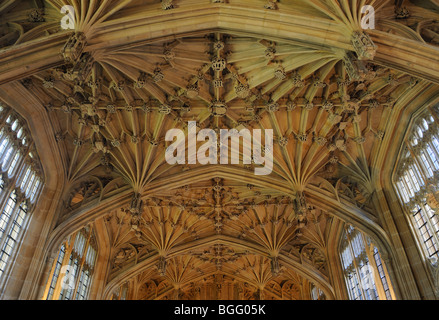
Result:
{"points": [[21, 183], [72, 271], [417, 181], [364, 271]]}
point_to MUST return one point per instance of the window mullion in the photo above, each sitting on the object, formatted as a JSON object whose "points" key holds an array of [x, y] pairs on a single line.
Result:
{"points": [[419, 165], [5, 149], [431, 228], [10, 221], [354, 262], [81, 263], [375, 275], [6, 236]]}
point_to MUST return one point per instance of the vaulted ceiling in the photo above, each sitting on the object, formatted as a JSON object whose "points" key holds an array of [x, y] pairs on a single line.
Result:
{"points": [[131, 70]]}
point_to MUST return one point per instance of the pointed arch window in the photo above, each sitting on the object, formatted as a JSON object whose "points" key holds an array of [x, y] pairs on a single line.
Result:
{"points": [[17, 197], [365, 273], [72, 272], [417, 181]]}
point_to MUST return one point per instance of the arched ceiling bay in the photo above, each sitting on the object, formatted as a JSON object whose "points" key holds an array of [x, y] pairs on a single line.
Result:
{"points": [[260, 240], [119, 114]]}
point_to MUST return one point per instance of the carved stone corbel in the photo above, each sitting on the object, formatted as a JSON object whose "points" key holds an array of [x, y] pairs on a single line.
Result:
{"points": [[161, 266], [74, 47], [136, 204], [275, 266], [355, 68], [363, 46]]}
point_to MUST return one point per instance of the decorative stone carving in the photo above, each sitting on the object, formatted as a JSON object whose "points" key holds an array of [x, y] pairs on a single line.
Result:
{"points": [[66, 107], [83, 67], [363, 46], [242, 91], [275, 266], [271, 5], [280, 73], [302, 137], [373, 104], [146, 108], [111, 108], [48, 82], [360, 140], [158, 75], [218, 64], [167, 4], [283, 142], [135, 139], [218, 108], [36, 15], [99, 146], [308, 105], [402, 13], [327, 105], [272, 106], [270, 53], [355, 69], [351, 106], [136, 204], [392, 80], [321, 141], [319, 84], [168, 55], [301, 209], [291, 105], [379, 134], [141, 81], [192, 91], [123, 255], [340, 144], [218, 83], [88, 110], [115, 143], [218, 45], [164, 109], [73, 48], [78, 142], [59, 136], [297, 80]]}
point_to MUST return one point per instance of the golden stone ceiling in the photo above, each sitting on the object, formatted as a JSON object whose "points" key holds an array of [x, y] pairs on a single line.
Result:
{"points": [[131, 70]]}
